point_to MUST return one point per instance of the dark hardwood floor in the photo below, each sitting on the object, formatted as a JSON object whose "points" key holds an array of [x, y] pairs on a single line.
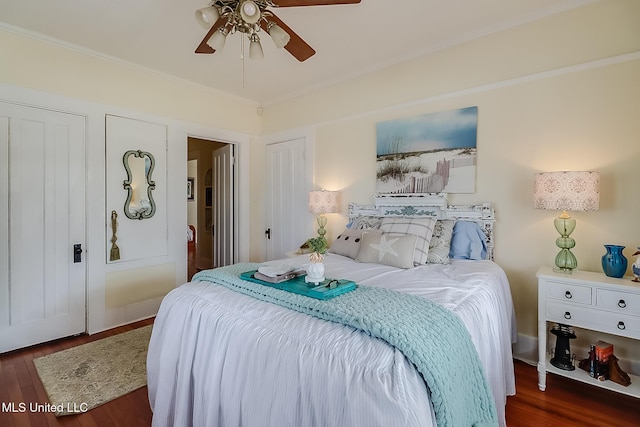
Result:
{"points": [[195, 264], [192, 260], [19, 383], [566, 403]]}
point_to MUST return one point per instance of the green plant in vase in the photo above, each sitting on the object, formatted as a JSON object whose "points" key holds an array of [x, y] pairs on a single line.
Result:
{"points": [[315, 269], [318, 246]]}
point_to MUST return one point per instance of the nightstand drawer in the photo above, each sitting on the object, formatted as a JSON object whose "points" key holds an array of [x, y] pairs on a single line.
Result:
{"points": [[569, 293], [622, 302], [617, 324], [568, 314]]}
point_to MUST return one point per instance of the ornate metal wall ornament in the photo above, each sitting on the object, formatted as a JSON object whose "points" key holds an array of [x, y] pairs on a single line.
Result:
{"points": [[139, 184]]}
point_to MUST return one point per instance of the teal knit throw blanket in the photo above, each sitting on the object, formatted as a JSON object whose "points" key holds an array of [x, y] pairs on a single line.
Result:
{"points": [[432, 338]]}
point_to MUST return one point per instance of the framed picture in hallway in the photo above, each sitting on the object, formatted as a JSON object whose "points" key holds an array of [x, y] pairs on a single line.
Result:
{"points": [[433, 153], [191, 189]]}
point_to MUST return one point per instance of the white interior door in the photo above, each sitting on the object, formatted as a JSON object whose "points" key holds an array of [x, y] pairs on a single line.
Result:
{"points": [[287, 186], [42, 204], [223, 206]]}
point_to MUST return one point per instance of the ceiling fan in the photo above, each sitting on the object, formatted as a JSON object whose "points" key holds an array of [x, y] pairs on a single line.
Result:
{"points": [[224, 17]]}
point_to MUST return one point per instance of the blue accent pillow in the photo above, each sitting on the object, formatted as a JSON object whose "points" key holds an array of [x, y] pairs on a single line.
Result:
{"points": [[468, 241]]}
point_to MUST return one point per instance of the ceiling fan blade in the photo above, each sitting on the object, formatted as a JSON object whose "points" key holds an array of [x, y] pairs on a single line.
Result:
{"points": [[296, 3], [203, 47], [296, 46]]}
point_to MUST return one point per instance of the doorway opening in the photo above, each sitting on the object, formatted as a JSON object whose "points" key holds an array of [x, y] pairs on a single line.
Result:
{"points": [[211, 200]]}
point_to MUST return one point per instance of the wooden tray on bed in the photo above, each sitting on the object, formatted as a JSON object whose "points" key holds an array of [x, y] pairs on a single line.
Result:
{"points": [[297, 285]]}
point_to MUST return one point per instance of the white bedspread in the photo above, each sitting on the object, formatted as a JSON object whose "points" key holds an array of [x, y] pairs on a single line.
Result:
{"points": [[220, 358]]}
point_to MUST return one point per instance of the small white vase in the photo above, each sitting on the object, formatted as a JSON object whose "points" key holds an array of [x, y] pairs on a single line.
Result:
{"points": [[315, 272]]}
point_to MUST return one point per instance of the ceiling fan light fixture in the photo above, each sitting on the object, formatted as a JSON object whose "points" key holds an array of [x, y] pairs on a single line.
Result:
{"points": [[249, 17], [250, 12], [207, 16], [255, 48], [218, 39], [280, 37]]}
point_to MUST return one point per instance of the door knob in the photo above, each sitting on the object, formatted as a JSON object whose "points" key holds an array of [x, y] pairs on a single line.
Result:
{"points": [[77, 253]]}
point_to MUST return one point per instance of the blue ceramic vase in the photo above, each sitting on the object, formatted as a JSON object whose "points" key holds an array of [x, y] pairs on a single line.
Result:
{"points": [[614, 263]]}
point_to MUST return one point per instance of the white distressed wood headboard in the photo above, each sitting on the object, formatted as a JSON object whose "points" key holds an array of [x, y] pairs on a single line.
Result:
{"points": [[429, 204]]}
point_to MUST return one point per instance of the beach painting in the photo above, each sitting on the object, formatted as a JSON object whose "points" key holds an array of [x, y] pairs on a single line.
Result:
{"points": [[433, 153]]}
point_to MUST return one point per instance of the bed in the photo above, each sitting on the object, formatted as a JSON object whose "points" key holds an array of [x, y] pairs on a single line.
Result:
{"points": [[221, 357]]}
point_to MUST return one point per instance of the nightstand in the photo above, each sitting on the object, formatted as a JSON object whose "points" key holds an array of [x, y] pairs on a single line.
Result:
{"points": [[591, 301], [295, 253]]}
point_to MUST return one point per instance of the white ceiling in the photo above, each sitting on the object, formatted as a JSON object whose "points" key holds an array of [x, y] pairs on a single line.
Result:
{"points": [[350, 40]]}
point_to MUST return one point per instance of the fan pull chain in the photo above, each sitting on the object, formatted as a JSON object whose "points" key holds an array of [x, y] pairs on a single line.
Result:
{"points": [[242, 59]]}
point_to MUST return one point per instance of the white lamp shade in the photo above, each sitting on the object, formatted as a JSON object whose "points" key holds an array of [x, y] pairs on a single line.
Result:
{"points": [[217, 40], [255, 48], [567, 191], [280, 37], [207, 16], [321, 202]]}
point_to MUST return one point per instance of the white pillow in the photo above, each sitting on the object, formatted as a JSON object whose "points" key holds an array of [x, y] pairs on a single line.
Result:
{"points": [[347, 243], [365, 222], [395, 250], [422, 228]]}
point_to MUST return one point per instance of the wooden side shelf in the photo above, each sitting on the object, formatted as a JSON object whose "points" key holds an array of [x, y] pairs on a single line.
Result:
{"points": [[578, 374]]}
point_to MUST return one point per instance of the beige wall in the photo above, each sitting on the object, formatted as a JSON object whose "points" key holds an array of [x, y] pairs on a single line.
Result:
{"points": [[49, 68], [562, 93]]}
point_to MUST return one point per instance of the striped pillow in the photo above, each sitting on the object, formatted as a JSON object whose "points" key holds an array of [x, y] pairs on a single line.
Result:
{"points": [[422, 228]]}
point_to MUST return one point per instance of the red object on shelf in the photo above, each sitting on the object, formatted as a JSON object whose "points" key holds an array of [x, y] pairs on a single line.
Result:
{"points": [[604, 351]]}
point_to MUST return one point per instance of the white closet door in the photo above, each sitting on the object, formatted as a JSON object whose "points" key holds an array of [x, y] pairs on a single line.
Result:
{"points": [[287, 213], [42, 204], [223, 207]]}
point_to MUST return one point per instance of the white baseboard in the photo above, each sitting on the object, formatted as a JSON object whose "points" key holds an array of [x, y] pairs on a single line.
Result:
{"points": [[526, 349]]}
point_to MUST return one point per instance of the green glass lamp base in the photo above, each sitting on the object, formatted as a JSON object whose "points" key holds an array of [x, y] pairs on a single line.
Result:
{"points": [[566, 261], [322, 222]]}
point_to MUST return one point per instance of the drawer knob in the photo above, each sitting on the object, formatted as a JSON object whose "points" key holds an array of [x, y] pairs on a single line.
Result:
{"points": [[568, 295], [621, 326], [567, 315], [622, 304]]}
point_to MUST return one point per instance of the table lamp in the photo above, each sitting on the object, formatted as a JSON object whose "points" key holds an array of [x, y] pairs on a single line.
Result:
{"points": [[567, 191], [323, 202]]}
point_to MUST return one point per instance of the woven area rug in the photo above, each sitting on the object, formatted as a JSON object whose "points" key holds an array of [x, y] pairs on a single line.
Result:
{"points": [[86, 376]]}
